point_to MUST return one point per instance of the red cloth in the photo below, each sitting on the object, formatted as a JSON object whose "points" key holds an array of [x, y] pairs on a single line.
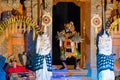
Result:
{"points": [[16, 70]]}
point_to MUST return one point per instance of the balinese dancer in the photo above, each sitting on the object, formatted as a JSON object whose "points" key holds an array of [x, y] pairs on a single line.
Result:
{"points": [[44, 61], [105, 57], [69, 40]]}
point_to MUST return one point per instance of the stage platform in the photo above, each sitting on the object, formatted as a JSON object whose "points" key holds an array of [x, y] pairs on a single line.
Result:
{"points": [[79, 72], [71, 74], [72, 78]]}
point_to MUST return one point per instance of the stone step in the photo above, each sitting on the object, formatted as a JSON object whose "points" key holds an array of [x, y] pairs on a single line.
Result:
{"points": [[79, 72], [72, 78], [70, 73]]}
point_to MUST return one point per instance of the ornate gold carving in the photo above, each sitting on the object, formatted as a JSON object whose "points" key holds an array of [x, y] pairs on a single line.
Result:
{"points": [[11, 3], [21, 19]]}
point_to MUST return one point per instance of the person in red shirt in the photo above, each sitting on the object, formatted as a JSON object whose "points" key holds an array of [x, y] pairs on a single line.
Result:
{"points": [[14, 68]]}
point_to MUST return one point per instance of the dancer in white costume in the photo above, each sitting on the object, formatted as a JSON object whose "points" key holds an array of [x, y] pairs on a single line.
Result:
{"points": [[43, 49], [105, 58]]}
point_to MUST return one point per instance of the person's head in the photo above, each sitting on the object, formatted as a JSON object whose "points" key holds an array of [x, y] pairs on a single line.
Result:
{"points": [[69, 27], [13, 63]]}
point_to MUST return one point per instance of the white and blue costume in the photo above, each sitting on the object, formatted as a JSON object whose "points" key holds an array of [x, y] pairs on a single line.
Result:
{"points": [[105, 58], [43, 59]]}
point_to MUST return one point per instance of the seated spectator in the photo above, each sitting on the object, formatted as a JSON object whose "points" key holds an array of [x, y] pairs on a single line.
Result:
{"points": [[23, 58], [14, 68]]}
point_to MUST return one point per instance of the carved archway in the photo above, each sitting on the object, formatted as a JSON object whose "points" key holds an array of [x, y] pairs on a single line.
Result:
{"points": [[84, 29]]}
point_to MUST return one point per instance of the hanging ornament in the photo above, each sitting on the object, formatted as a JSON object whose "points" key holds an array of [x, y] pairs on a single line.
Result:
{"points": [[96, 21], [46, 19]]}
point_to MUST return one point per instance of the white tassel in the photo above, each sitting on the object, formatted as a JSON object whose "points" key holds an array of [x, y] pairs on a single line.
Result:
{"points": [[60, 44]]}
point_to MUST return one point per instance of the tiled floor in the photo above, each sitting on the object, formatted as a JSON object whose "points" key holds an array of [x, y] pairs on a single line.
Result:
{"points": [[74, 75], [71, 78]]}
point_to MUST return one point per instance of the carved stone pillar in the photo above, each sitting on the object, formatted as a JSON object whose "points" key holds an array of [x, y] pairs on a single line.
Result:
{"points": [[28, 8]]}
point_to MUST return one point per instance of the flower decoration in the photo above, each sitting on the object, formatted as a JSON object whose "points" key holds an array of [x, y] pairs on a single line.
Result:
{"points": [[96, 21], [46, 19]]}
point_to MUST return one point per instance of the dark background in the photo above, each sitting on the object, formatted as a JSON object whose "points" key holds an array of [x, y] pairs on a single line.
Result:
{"points": [[63, 12]]}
